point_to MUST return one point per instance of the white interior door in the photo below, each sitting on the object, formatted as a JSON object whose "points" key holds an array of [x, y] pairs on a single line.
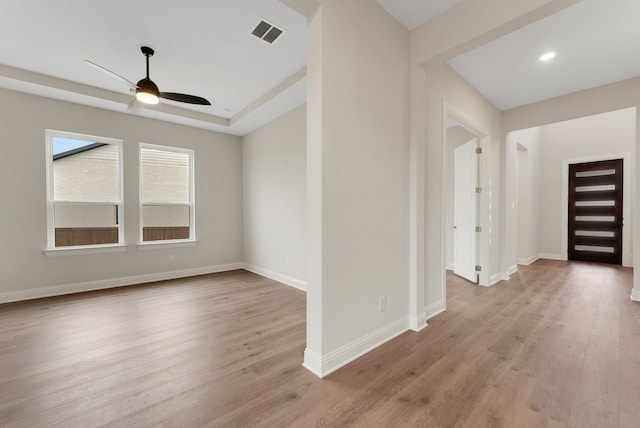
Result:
{"points": [[464, 210]]}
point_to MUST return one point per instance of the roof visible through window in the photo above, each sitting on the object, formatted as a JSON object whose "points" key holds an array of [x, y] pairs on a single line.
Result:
{"points": [[63, 147]]}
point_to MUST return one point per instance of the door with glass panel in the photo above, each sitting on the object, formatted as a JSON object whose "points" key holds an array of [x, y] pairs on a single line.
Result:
{"points": [[595, 211]]}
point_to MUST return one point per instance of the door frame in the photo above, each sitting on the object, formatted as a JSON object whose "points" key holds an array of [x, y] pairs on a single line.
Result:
{"points": [[483, 247], [627, 259]]}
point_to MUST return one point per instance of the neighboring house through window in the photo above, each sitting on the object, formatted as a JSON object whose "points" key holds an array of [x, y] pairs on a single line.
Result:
{"points": [[166, 193], [84, 190]]}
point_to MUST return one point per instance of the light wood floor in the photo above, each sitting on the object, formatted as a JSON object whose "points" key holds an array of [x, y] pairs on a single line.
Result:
{"points": [[558, 345]]}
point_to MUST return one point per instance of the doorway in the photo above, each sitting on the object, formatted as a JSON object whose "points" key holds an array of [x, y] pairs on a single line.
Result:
{"points": [[550, 150], [466, 214], [595, 211]]}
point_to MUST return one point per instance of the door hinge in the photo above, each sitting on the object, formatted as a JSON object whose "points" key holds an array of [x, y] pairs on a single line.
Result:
{"points": [[478, 150], [478, 268], [478, 189], [478, 228]]}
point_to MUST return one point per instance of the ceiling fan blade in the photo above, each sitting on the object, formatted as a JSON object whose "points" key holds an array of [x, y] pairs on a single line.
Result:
{"points": [[135, 106], [110, 73], [184, 98]]}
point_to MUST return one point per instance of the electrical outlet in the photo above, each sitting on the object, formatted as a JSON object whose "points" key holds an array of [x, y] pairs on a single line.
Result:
{"points": [[382, 303], [172, 258]]}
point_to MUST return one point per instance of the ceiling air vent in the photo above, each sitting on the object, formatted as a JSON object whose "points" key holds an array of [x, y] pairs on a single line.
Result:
{"points": [[265, 30]]}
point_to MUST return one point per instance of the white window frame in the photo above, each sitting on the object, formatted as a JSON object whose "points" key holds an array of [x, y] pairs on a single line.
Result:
{"points": [[192, 205], [52, 250]]}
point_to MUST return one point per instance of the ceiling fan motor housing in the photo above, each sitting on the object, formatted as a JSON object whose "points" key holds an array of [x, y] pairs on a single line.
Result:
{"points": [[147, 85]]}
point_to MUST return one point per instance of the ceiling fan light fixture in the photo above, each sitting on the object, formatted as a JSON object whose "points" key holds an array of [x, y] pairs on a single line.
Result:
{"points": [[147, 97], [147, 92]]}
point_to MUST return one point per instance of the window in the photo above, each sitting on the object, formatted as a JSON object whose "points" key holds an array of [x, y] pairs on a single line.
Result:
{"points": [[166, 194], [84, 190]]}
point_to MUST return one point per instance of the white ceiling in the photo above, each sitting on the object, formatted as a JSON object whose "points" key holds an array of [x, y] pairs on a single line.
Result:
{"points": [[597, 42], [203, 47], [413, 13]]}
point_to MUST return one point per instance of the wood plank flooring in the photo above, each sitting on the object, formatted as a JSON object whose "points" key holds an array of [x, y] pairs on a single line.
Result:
{"points": [[556, 346]]}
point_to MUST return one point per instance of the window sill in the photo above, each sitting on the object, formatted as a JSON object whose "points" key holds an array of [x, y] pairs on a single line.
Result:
{"points": [[161, 245], [84, 250]]}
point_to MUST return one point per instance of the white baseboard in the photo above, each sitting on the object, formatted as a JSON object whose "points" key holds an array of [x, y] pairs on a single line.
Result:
{"points": [[449, 266], [428, 312], [322, 366], [79, 287], [635, 295], [497, 277], [529, 260], [552, 256], [434, 309], [293, 282], [419, 323], [312, 362], [502, 276]]}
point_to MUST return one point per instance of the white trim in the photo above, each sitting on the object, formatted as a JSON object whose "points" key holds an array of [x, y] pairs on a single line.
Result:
{"points": [[322, 366], [635, 295], [552, 256], [529, 260], [59, 290], [163, 245], [288, 280], [502, 276], [434, 309], [505, 276], [497, 277], [417, 197], [84, 250], [449, 266], [418, 323], [312, 362], [627, 194]]}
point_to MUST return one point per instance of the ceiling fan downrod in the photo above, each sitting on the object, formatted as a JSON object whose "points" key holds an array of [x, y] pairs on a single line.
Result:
{"points": [[147, 52]]}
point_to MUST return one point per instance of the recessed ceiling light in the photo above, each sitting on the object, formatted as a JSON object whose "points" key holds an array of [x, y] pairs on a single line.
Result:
{"points": [[548, 56]]}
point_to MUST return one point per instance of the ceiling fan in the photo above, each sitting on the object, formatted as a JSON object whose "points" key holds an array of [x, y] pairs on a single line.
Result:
{"points": [[147, 91]]}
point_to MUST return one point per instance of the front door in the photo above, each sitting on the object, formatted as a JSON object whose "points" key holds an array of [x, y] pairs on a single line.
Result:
{"points": [[595, 211]]}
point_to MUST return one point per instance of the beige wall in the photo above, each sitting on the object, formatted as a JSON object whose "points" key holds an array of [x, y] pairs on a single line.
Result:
{"points": [[25, 271], [274, 198], [357, 147], [528, 201]]}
